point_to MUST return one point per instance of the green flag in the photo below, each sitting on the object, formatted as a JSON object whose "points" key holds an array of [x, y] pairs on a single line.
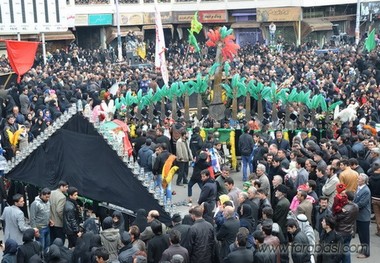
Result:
{"points": [[196, 26], [193, 41], [370, 42]]}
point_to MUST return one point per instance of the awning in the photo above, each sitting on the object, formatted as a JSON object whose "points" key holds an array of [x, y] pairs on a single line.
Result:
{"points": [[311, 25], [111, 32], [54, 36], [245, 25], [147, 27], [23, 37]]}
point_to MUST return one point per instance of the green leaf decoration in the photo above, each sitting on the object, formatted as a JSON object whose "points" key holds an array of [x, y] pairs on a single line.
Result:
{"points": [[213, 68], [157, 95], [283, 95], [266, 94], [227, 68], [228, 90], [323, 103], [292, 97], [334, 105], [118, 104], [235, 80]]}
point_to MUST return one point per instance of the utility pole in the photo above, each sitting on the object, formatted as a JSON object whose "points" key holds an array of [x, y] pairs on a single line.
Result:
{"points": [[119, 47], [357, 27]]}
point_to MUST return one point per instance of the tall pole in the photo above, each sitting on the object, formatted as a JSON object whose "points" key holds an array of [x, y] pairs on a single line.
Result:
{"points": [[43, 47], [357, 27], [119, 50]]}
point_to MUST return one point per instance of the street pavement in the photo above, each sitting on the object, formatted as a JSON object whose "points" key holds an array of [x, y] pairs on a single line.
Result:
{"points": [[181, 197]]}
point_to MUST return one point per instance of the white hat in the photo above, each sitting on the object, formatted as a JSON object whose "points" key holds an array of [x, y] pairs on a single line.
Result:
{"points": [[363, 120]]}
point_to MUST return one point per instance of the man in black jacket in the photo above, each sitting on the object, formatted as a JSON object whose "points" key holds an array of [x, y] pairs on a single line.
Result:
{"points": [[246, 147], [227, 232], [208, 192], [300, 243], [241, 254], [162, 156], [201, 241], [157, 245], [71, 217], [196, 142]]}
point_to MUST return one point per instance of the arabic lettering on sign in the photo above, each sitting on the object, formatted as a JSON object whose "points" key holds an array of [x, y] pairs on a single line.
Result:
{"points": [[213, 16], [278, 14]]}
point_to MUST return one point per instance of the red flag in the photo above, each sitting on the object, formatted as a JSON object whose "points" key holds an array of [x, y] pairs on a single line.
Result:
{"points": [[21, 56]]}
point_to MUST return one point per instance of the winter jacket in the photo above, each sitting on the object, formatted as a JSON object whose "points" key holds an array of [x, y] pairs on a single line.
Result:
{"points": [[196, 144], [345, 221], [201, 241], [331, 245], [160, 161], [29, 248], [57, 203], [227, 235], [246, 144], [208, 192], [183, 151], [126, 253], [241, 254], [111, 242], [299, 247], [145, 158], [39, 213], [374, 185], [71, 217]]}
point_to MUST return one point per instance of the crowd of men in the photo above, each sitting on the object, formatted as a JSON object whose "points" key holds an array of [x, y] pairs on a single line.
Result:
{"points": [[291, 187]]}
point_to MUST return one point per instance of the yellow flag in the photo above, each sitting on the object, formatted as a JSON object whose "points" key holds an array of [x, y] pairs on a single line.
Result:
{"points": [[141, 50], [196, 26]]}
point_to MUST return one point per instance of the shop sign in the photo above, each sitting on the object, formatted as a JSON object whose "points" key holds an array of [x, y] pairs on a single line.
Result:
{"points": [[217, 16], [166, 18], [81, 20], [129, 19], [283, 14], [183, 17], [100, 19]]}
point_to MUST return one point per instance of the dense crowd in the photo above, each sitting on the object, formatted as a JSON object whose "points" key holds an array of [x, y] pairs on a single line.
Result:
{"points": [[291, 187]]}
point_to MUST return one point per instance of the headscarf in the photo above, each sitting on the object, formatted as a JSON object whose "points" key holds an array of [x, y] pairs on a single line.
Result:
{"points": [[120, 222], [28, 235], [107, 223], [10, 246], [141, 220]]}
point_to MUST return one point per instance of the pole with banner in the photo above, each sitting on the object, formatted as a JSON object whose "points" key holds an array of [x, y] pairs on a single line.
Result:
{"points": [[119, 46], [160, 61]]}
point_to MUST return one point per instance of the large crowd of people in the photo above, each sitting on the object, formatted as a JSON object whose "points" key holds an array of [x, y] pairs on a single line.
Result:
{"points": [[291, 188]]}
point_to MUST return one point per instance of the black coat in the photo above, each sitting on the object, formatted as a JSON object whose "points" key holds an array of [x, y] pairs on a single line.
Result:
{"points": [[201, 242], [208, 192], [280, 213], [242, 254], [156, 246], [227, 235], [331, 243], [71, 217], [184, 230], [160, 161], [196, 144], [262, 255], [300, 245]]}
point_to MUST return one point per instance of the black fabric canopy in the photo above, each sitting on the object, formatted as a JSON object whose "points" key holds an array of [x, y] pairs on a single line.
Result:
{"points": [[78, 154]]}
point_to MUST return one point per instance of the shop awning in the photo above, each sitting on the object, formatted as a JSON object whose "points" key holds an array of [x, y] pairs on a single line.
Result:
{"points": [[54, 36], [312, 25], [111, 32], [245, 25], [23, 37]]}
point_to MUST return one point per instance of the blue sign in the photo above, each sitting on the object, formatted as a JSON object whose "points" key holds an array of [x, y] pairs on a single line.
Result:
{"points": [[100, 19]]}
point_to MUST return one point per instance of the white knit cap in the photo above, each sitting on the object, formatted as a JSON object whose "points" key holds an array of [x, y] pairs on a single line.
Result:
{"points": [[363, 120]]}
